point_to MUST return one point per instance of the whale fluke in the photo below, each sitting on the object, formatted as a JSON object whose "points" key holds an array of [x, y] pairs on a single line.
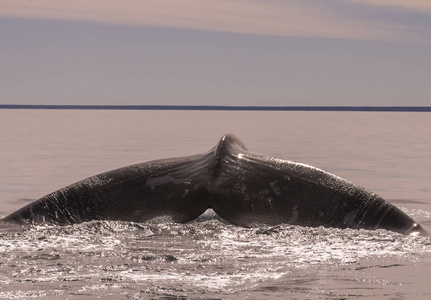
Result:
{"points": [[243, 188]]}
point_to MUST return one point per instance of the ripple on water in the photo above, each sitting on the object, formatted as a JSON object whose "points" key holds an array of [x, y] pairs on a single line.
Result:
{"points": [[203, 257]]}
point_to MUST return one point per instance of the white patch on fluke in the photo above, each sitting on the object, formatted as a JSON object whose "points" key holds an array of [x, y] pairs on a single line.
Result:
{"points": [[275, 188], [156, 181], [295, 215]]}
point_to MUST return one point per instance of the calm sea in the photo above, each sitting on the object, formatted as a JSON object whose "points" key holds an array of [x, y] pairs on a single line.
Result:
{"points": [[44, 150]]}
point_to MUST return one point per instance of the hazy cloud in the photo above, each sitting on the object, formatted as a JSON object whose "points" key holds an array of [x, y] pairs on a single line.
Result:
{"points": [[352, 19], [66, 62], [408, 4]]}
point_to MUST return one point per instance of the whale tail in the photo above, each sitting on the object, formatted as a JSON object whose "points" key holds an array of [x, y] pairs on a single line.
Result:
{"points": [[243, 188]]}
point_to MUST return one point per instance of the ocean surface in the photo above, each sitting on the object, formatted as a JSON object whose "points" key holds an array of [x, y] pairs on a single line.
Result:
{"points": [[44, 150]]}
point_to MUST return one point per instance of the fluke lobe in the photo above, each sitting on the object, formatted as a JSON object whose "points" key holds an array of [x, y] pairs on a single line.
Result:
{"points": [[243, 188]]}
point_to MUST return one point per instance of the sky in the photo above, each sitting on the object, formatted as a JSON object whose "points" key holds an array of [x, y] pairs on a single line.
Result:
{"points": [[216, 52]]}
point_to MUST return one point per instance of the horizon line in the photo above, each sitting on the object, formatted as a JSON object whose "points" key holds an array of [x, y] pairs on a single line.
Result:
{"points": [[221, 107]]}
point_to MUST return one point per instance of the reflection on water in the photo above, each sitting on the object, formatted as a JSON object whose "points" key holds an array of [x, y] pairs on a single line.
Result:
{"points": [[205, 257]]}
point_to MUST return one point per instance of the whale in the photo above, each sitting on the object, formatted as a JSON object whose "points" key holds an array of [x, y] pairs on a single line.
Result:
{"points": [[242, 188]]}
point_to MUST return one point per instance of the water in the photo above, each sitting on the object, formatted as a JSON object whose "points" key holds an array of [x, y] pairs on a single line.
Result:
{"points": [[41, 151]]}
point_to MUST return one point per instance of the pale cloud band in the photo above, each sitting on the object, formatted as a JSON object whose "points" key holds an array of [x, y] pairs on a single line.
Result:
{"points": [[407, 4], [308, 18]]}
